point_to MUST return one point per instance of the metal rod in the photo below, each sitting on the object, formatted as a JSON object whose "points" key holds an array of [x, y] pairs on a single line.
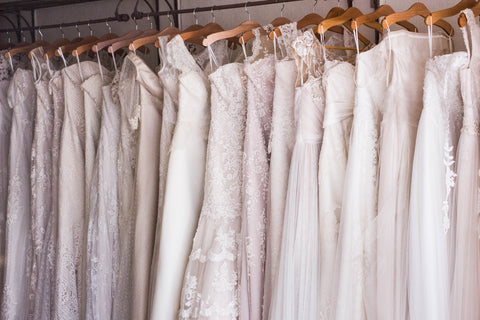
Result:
{"points": [[121, 17], [217, 7]]}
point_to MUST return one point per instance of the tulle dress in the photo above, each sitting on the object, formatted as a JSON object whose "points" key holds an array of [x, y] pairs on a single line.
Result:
{"points": [[433, 179], [408, 53], [210, 287], [296, 291], [339, 84], [465, 289], [282, 141]]}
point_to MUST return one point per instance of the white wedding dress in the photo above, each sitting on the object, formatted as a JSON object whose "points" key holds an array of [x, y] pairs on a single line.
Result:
{"points": [[18, 237], [431, 197]]}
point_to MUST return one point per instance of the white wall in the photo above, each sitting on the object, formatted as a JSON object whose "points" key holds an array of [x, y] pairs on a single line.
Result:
{"points": [[226, 18]]}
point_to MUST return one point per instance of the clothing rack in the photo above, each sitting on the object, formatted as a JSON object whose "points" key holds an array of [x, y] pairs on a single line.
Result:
{"points": [[136, 15]]}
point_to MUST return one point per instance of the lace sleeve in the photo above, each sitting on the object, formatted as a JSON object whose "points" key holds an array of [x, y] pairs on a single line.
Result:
{"points": [[179, 57]]}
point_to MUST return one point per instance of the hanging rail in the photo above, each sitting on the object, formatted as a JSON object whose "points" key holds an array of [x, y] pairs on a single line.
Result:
{"points": [[140, 15]]}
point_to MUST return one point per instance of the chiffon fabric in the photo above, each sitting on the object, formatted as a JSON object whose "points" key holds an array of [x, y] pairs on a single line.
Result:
{"points": [[466, 268], [281, 144], [297, 289], [401, 113], [185, 179], [18, 237], [433, 180], [210, 287], [338, 81], [148, 121]]}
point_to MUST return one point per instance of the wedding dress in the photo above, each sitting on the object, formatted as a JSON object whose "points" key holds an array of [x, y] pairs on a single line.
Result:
{"points": [[18, 237], [296, 291], [282, 141], [70, 258], [148, 121], [43, 222], [355, 258], [185, 179], [433, 180], [5, 127], [103, 230], [210, 287], [409, 53], [168, 76], [128, 94], [466, 269], [260, 72], [338, 81]]}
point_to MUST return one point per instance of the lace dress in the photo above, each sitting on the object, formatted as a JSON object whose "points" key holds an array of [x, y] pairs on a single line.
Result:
{"points": [[168, 76], [43, 221], [18, 237], [210, 287], [282, 141], [296, 291], [338, 81], [128, 93], [403, 105], [148, 122], [185, 177], [261, 76], [433, 174], [355, 259], [466, 269], [71, 251], [5, 127]]}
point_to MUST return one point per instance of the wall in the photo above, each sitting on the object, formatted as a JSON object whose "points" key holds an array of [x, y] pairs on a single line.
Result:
{"points": [[226, 18]]}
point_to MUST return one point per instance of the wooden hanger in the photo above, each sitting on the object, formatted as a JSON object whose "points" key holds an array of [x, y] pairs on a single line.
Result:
{"points": [[279, 21], [105, 44], [140, 42], [416, 9], [68, 48], [126, 42], [449, 12], [349, 14], [51, 48], [382, 11], [462, 19], [89, 46], [227, 34], [25, 48]]}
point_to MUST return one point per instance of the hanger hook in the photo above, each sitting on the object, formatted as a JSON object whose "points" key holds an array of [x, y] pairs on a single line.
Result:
{"points": [[40, 33], [135, 21], [213, 14], [61, 30], [195, 15], [170, 19], [22, 34], [108, 26], [246, 10], [151, 23], [281, 10], [314, 5], [78, 30], [90, 28], [9, 39]]}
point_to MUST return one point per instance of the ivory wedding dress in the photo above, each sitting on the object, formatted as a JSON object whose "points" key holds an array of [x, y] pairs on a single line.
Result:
{"points": [[431, 197], [210, 287], [282, 141], [18, 237], [466, 269], [408, 54]]}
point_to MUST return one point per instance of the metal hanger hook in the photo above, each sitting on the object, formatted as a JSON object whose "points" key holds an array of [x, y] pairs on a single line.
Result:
{"points": [[90, 28], [282, 10], [246, 10], [213, 14], [61, 30], [170, 19], [40, 33], [22, 34], [78, 30], [108, 26], [135, 21], [9, 39], [150, 20], [195, 15], [314, 5]]}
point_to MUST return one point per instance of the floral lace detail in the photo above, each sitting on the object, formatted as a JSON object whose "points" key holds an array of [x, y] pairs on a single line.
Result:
{"points": [[308, 55], [289, 34], [211, 286], [5, 68], [471, 126], [179, 56]]}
